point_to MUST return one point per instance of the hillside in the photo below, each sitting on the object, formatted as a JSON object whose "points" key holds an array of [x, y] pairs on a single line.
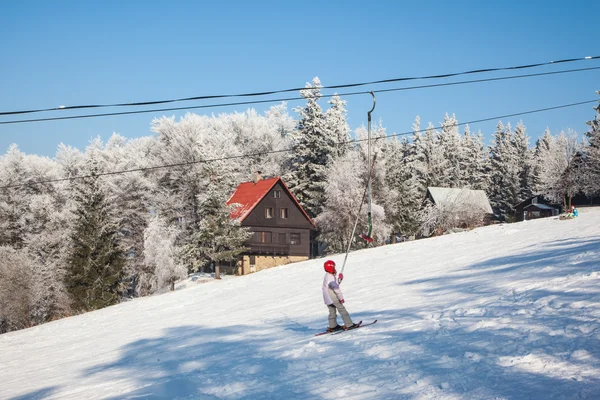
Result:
{"points": [[500, 312]]}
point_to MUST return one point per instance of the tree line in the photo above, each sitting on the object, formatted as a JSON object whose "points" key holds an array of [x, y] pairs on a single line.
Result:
{"points": [[75, 237]]}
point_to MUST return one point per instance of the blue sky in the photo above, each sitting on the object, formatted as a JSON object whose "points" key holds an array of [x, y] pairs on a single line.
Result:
{"points": [[78, 52]]}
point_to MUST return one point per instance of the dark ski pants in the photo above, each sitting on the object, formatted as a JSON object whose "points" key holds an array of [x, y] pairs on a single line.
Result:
{"points": [[339, 307]]}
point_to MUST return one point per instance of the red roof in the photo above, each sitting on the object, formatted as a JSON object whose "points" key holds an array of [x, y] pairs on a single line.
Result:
{"points": [[249, 194]]}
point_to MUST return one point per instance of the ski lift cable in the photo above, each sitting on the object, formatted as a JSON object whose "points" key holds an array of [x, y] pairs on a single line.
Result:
{"points": [[240, 103], [271, 92]]}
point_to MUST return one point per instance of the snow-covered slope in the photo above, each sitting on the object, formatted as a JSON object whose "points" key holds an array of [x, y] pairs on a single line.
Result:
{"points": [[505, 311]]}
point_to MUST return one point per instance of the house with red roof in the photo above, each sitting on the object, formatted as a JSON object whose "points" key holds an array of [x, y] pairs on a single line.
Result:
{"points": [[281, 228]]}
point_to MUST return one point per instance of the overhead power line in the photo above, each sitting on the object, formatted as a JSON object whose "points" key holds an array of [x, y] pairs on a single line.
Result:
{"points": [[22, 121], [271, 92], [182, 164]]}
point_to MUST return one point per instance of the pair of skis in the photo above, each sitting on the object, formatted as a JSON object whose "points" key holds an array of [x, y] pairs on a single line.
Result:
{"points": [[359, 325]]}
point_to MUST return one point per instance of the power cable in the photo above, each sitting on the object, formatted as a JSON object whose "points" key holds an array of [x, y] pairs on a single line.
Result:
{"points": [[295, 98], [144, 169], [271, 92]]}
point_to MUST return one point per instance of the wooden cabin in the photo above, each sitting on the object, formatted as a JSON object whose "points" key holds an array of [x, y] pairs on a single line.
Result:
{"points": [[281, 228]]}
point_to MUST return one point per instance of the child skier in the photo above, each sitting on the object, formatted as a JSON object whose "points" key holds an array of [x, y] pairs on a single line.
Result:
{"points": [[334, 300]]}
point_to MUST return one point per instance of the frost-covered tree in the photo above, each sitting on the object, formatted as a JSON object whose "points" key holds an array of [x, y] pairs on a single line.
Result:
{"points": [[477, 162], [557, 173], [314, 149], [218, 238], [591, 153], [160, 257], [403, 197], [16, 286], [131, 195], [427, 160], [345, 190], [96, 262], [337, 125], [504, 185], [449, 141], [525, 164]]}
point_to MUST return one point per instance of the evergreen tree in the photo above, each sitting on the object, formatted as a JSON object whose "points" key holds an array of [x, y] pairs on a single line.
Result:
{"points": [[335, 121], [525, 164], [454, 155], [314, 149], [218, 238], [404, 196], [592, 156], [477, 162], [96, 262], [504, 188]]}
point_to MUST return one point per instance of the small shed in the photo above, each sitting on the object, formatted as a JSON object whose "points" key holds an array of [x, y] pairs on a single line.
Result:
{"points": [[523, 209], [538, 210]]}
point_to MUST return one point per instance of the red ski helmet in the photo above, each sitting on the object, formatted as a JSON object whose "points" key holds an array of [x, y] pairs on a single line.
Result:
{"points": [[329, 266]]}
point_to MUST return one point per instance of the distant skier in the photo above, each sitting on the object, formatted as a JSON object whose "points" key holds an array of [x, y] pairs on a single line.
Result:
{"points": [[575, 212], [334, 300]]}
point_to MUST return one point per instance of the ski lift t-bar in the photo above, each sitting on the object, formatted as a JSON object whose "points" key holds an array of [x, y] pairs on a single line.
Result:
{"points": [[341, 274]]}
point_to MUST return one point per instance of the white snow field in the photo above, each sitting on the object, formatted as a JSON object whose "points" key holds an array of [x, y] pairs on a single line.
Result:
{"points": [[507, 311]]}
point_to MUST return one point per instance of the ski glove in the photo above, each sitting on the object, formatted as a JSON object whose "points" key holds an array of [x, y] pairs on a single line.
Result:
{"points": [[342, 301], [340, 277]]}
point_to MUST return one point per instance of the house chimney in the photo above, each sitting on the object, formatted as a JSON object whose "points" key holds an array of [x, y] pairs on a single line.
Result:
{"points": [[257, 176]]}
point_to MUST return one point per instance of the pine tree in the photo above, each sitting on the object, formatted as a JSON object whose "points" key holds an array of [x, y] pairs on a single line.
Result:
{"points": [[477, 162], [525, 164], [337, 125], [96, 262], [314, 149], [592, 156], [404, 197], [218, 238], [504, 188]]}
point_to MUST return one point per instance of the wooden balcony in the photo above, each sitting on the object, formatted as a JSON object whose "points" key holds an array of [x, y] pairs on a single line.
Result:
{"points": [[275, 249]]}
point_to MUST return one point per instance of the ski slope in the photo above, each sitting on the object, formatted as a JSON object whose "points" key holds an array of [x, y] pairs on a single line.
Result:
{"points": [[502, 312]]}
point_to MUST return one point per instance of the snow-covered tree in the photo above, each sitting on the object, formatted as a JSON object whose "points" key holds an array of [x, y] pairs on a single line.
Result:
{"points": [[449, 141], [403, 197], [16, 286], [557, 175], [591, 178], [218, 238], [504, 187], [314, 149], [477, 162], [345, 190], [337, 125], [160, 257]]}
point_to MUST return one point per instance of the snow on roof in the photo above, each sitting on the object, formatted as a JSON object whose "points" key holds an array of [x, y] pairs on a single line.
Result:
{"points": [[472, 198]]}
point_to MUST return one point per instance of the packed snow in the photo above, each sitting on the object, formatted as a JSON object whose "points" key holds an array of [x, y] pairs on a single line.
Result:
{"points": [[506, 311]]}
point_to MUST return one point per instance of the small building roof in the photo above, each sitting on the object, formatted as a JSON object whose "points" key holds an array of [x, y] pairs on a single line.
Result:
{"points": [[249, 194], [469, 197]]}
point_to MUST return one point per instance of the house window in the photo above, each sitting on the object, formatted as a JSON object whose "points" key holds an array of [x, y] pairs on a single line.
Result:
{"points": [[294, 238], [268, 212], [282, 238], [283, 213], [277, 194], [262, 237]]}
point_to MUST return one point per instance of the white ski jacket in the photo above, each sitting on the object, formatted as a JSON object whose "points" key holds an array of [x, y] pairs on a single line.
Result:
{"points": [[331, 289]]}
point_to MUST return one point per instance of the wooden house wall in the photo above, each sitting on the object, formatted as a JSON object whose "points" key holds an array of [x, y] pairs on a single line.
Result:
{"points": [[296, 223]]}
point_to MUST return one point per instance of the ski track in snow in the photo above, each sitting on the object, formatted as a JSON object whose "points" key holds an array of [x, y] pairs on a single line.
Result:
{"points": [[501, 312]]}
